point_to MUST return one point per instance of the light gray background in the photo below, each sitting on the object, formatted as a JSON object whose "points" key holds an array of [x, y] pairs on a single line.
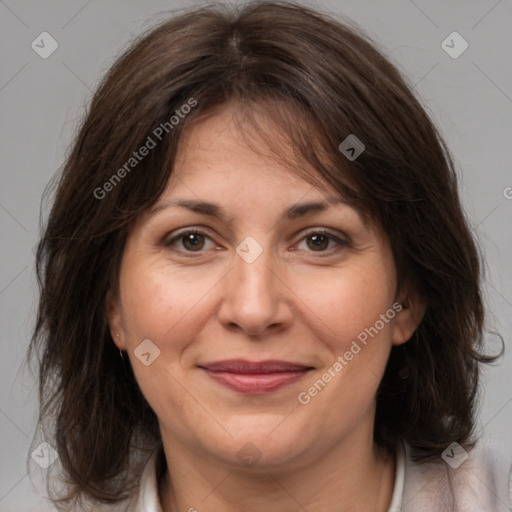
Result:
{"points": [[41, 100]]}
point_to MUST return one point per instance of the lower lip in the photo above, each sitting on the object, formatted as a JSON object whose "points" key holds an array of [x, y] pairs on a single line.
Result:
{"points": [[255, 384]]}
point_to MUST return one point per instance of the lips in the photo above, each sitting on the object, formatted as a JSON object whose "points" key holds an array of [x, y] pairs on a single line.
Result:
{"points": [[255, 377], [241, 366]]}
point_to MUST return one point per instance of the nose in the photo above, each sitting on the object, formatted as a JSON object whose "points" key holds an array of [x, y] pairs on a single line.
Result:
{"points": [[255, 297]]}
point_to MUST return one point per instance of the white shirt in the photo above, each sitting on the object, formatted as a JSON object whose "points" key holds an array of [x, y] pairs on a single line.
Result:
{"points": [[481, 483]]}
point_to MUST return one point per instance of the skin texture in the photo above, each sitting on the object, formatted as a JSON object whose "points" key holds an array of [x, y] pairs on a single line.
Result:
{"points": [[294, 302]]}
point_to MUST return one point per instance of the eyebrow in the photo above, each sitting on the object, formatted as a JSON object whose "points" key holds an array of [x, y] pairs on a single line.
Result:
{"points": [[206, 208]]}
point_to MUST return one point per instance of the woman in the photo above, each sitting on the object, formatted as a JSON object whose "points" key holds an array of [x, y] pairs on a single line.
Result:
{"points": [[259, 290]]}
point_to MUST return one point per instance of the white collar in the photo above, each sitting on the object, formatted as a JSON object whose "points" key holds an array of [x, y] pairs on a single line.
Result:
{"points": [[398, 488], [148, 499]]}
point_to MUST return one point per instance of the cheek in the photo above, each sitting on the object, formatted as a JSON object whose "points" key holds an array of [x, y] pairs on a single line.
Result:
{"points": [[168, 308], [163, 303], [346, 301]]}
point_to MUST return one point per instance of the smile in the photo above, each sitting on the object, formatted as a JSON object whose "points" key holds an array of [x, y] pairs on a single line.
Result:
{"points": [[255, 377]]}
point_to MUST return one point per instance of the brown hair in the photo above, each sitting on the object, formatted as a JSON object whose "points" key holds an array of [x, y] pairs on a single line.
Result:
{"points": [[319, 80]]}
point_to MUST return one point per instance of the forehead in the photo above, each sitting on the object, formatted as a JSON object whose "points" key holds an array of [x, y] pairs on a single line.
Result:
{"points": [[222, 150], [232, 161], [221, 175]]}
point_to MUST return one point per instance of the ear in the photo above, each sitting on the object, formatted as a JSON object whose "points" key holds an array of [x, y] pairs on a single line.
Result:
{"points": [[408, 317], [115, 323]]}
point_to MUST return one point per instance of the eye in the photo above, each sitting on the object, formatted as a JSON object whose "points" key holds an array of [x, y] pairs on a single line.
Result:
{"points": [[189, 241], [322, 241]]}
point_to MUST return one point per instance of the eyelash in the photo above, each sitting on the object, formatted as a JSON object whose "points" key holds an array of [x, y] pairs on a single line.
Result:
{"points": [[193, 254]]}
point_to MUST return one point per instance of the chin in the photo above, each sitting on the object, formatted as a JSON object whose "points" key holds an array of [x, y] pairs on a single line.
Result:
{"points": [[265, 443]]}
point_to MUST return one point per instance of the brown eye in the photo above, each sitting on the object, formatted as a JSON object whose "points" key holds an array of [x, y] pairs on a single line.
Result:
{"points": [[189, 241], [321, 241], [192, 241], [318, 242]]}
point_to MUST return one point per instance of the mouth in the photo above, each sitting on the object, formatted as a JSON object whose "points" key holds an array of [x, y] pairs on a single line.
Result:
{"points": [[254, 378]]}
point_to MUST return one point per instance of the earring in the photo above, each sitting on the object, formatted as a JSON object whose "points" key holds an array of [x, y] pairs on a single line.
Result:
{"points": [[120, 351]]}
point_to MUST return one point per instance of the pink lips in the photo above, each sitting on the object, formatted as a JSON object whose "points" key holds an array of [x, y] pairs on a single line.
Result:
{"points": [[255, 377]]}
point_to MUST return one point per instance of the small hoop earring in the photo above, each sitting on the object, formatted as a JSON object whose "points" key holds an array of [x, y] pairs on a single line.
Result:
{"points": [[120, 351]]}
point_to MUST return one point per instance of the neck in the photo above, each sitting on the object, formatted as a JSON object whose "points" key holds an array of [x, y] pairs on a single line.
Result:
{"points": [[353, 476]]}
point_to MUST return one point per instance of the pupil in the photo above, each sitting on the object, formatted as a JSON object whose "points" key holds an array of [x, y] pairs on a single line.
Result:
{"points": [[318, 241], [193, 241]]}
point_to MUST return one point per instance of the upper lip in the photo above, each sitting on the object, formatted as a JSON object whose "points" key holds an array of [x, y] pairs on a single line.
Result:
{"points": [[255, 367]]}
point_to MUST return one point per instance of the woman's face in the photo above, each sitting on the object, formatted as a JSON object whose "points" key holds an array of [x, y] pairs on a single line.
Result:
{"points": [[262, 337]]}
